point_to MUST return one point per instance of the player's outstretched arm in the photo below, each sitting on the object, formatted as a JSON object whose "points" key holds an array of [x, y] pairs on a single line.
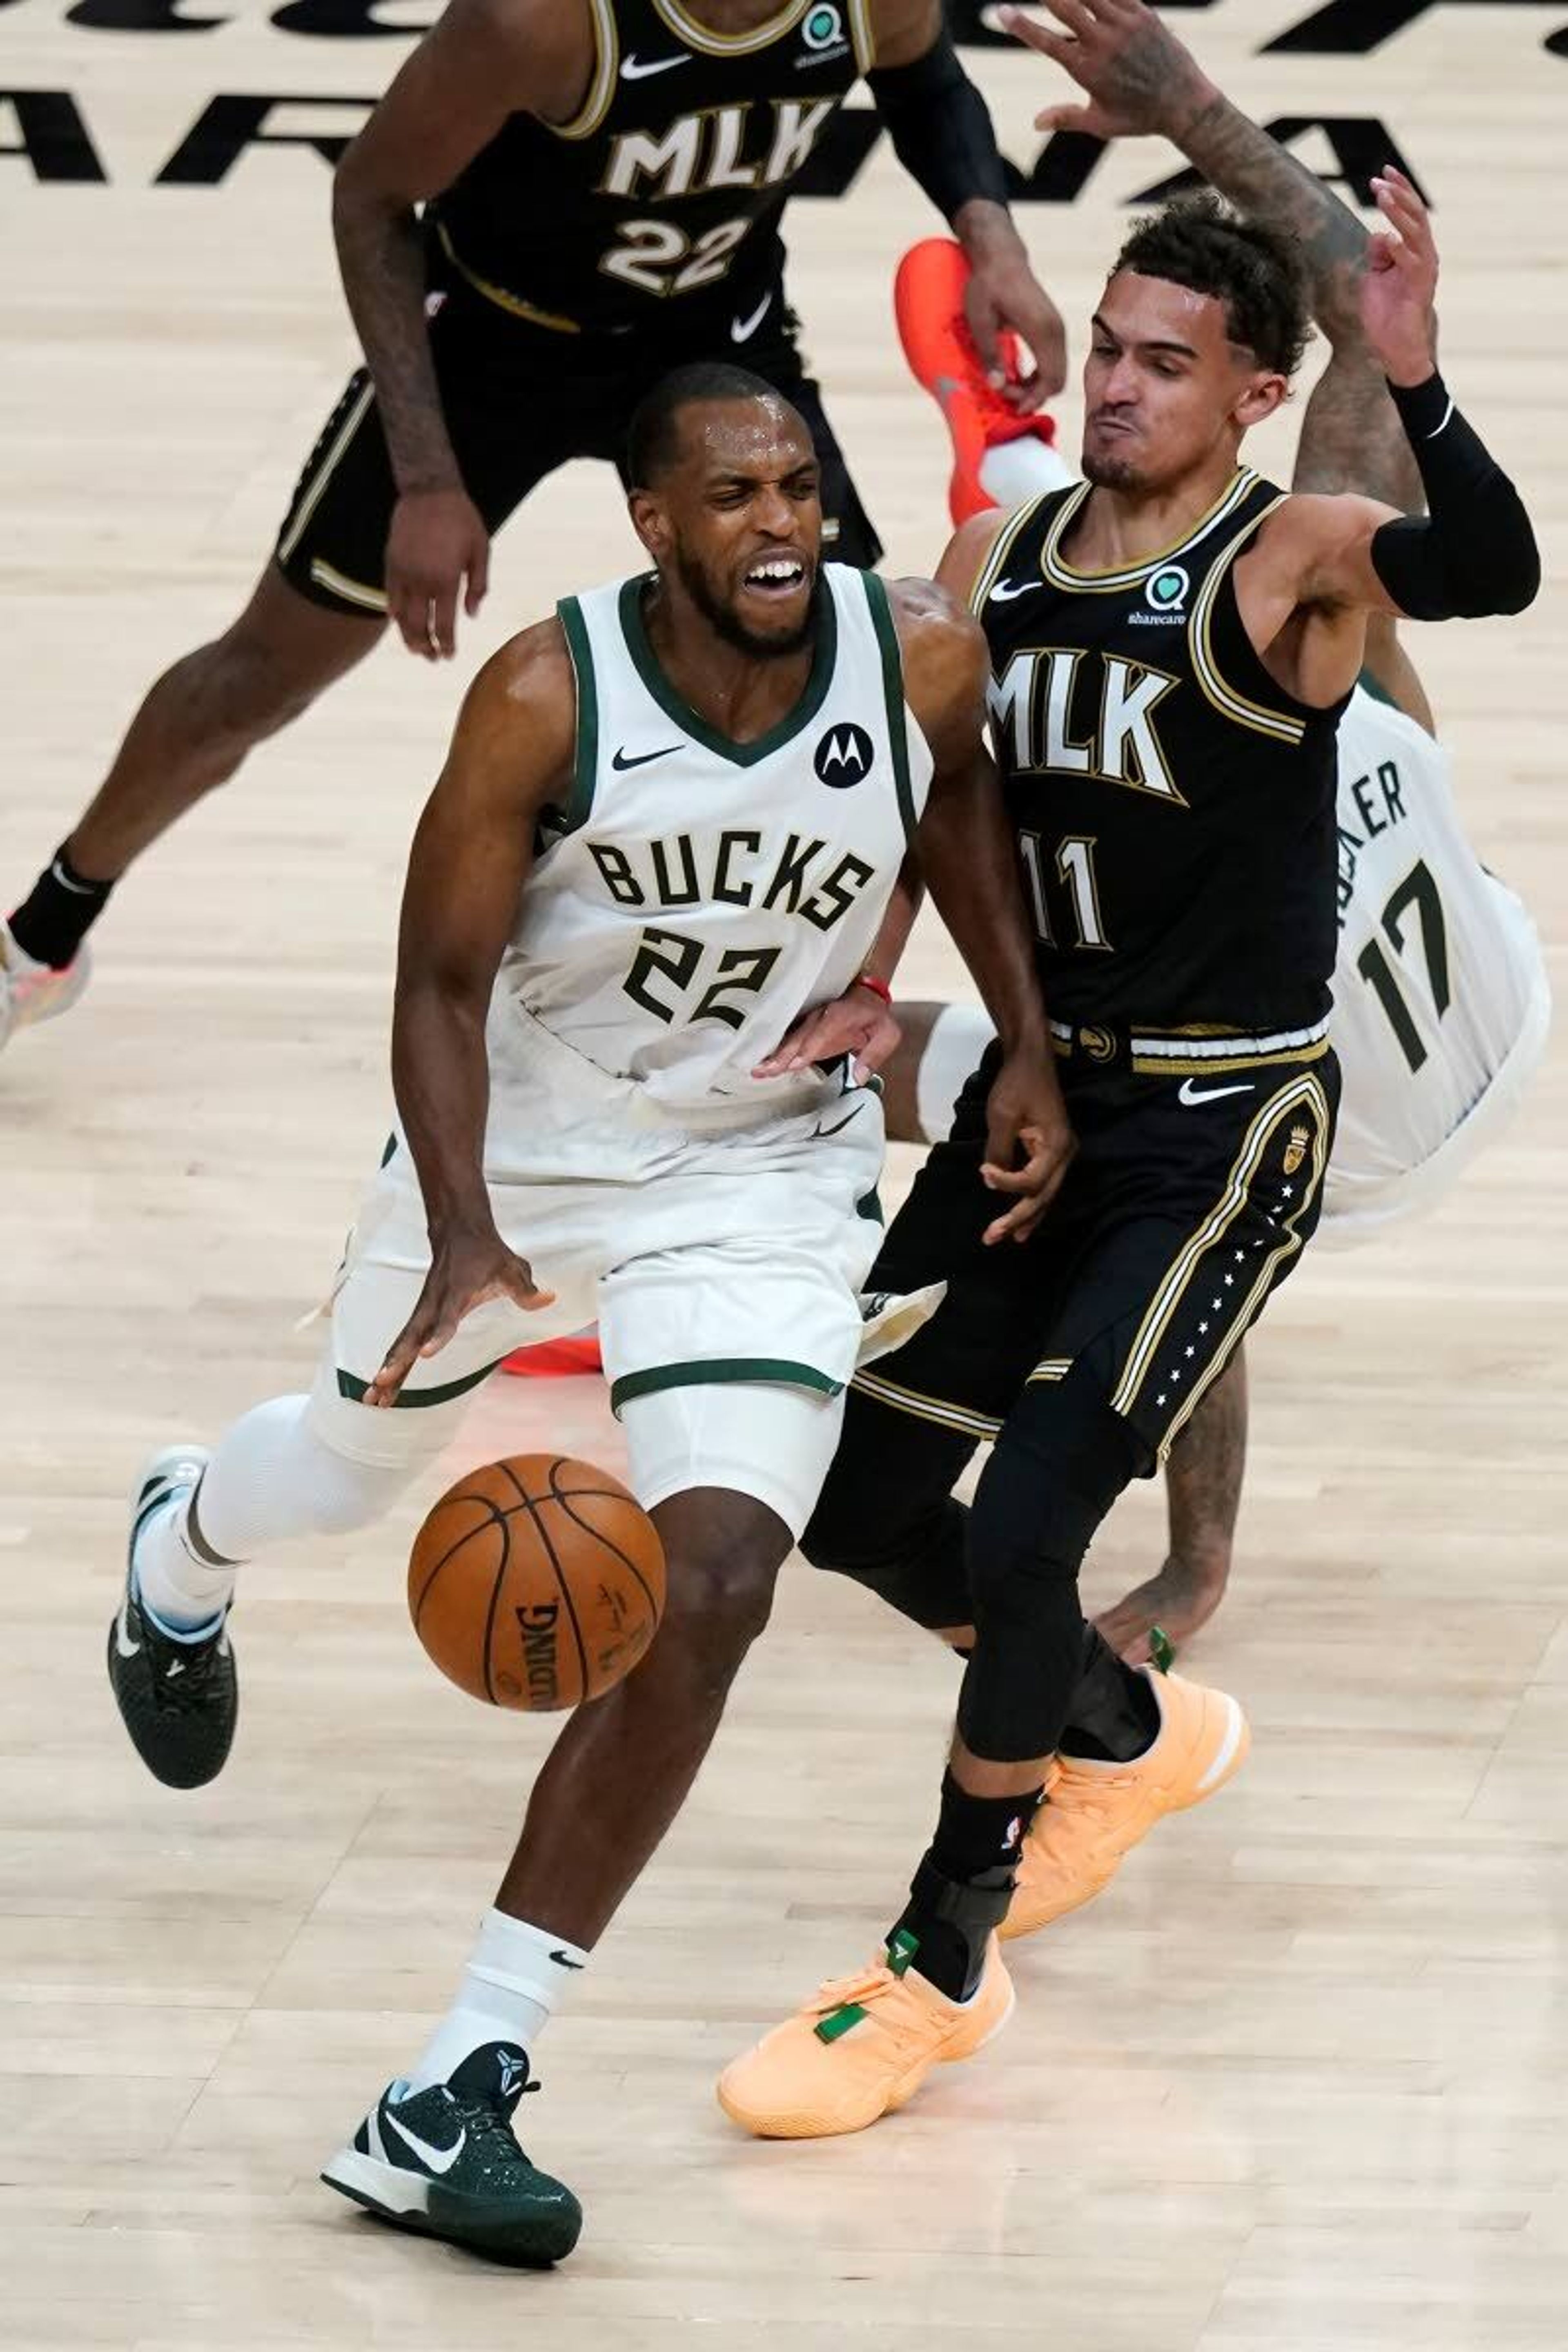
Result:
{"points": [[1474, 553], [941, 133], [970, 866], [482, 60], [510, 757]]}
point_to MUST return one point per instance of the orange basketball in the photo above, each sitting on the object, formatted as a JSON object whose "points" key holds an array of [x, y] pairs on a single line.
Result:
{"points": [[536, 1583]]}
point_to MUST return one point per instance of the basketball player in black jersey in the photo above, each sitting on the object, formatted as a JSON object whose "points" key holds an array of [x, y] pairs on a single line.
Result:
{"points": [[1172, 643], [602, 181]]}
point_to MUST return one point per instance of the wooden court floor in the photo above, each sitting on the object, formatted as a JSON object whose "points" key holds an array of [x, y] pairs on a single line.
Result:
{"points": [[1296, 2083]]}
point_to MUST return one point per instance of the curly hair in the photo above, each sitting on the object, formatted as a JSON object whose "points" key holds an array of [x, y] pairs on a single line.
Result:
{"points": [[1202, 243]]}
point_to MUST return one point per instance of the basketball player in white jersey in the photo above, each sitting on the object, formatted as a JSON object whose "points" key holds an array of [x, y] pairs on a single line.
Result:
{"points": [[669, 824], [1441, 999]]}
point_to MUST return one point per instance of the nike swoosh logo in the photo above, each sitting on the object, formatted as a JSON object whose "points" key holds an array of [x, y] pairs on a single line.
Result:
{"points": [[1006, 590], [123, 1642], [438, 2160], [742, 330], [1187, 1094], [562, 1961], [842, 1123], [621, 762], [639, 68]]}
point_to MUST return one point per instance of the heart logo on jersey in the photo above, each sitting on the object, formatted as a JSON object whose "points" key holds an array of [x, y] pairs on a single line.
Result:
{"points": [[822, 28], [1168, 590], [844, 756]]}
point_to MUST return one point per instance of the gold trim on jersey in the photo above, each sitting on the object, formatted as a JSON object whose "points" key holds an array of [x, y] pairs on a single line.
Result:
{"points": [[353, 591], [861, 34], [602, 88], [1232, 1204], [330, 463], [959, 1418], [1259, 1290], [1227, 699], [498, 294], [994, 561], [730, 45], [1061, 574]]}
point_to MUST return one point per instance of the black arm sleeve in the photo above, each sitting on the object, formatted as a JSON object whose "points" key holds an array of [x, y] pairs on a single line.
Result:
{"points": [[940, 128], [1475, 552]]}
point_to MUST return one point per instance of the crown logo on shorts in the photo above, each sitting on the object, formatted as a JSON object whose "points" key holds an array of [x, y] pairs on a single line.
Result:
{"points": [[1296, 1149]]}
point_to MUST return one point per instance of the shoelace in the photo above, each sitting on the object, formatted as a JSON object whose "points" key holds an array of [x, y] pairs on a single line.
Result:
{"points": [[985, 393], [186, 1694], [843, 1993], [490, 2131]]}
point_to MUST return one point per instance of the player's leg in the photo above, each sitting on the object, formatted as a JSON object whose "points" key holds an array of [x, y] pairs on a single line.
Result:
{"points": [[321, 1464], [729, 1470], [319, 609], [1203, 1496]]}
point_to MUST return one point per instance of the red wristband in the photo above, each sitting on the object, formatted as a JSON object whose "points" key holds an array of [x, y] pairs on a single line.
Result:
{"points": [[877, 987]]}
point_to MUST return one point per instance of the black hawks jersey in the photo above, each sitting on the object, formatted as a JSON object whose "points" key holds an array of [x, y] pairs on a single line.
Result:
{"points": [[1173, 806], [660, 202]]}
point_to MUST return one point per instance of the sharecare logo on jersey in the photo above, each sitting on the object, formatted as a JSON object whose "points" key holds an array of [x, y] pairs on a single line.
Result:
{"points": [[1166, 594], [822, 28], [844, 756]]}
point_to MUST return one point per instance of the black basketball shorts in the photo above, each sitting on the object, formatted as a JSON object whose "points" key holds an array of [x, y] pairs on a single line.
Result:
{"points": [[519, 401], [1189, 1201]]}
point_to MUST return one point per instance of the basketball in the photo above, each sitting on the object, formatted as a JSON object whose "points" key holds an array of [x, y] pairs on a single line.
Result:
{"points": [[536, 1583]]}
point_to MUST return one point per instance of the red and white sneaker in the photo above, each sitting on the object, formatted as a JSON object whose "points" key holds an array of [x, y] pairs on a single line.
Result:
{"points": [[33, 992], [928, 299]]}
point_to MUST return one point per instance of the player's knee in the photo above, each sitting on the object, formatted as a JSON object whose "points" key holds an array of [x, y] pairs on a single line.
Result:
{"points": [[720, 1598], [1058, 1466]]}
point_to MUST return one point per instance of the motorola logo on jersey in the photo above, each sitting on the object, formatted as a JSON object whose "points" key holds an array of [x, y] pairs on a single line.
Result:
{"points": [[844, 756]]}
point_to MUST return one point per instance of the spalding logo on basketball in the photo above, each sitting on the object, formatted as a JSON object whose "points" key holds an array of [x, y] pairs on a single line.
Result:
{"points": [[844, 755], [536, 1583]]}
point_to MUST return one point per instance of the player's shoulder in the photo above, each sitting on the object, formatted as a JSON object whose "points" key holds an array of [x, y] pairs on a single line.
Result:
{"points": [[529, 683], [552, 41], [943, 643], [1315, 521]]}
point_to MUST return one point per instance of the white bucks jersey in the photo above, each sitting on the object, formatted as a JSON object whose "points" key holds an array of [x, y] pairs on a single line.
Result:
{"points": [[1438, 976], [697, 894]]}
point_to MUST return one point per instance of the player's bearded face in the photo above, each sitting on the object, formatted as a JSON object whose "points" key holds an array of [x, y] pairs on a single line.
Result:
{"points": [[747, 535], [1160, 385]]}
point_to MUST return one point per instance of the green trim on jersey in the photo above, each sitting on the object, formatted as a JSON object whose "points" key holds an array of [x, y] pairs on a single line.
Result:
{"points": [[893, 692], [1378, 691], [825, 656], [350, 1386], [585, 758], [703, 1371]]}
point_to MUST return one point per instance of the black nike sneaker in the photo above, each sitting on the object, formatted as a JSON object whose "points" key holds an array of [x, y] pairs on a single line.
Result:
{"points": [[178, 1695], [445, 2162]]}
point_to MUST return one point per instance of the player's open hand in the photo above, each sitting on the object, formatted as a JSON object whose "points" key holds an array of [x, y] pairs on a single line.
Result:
{"points": [[1139, 76], [857, 1024], [468, 1269], [1025, 1117], [1398, 293], [436, 550]]}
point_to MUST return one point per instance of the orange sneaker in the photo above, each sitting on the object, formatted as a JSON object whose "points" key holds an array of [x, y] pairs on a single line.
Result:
{"points": [[928, 299], [1095, 1813], [861, 2048]]}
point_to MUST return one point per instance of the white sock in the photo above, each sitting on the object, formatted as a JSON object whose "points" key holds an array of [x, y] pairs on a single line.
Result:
{"points": [[958, 1036], [1019, 469], [514, 1976], [271, 1477]]}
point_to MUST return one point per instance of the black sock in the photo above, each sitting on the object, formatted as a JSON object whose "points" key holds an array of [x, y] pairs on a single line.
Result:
{"points": [[962, 1889], [1114, 1716], [58, 913]]}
